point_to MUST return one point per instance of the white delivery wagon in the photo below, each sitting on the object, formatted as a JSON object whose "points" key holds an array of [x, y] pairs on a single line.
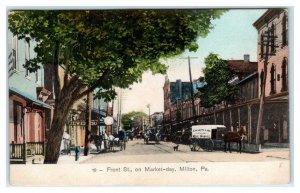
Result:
{"points": [[207, 137]]}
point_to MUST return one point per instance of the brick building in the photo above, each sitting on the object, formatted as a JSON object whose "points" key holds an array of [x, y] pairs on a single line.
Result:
{"points": [[27, 107], [277, 69], [248, 77], [275, 126]]}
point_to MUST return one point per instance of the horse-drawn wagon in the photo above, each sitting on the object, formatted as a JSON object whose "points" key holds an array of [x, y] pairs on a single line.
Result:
{"points": [[207, 137], [152, 134]]}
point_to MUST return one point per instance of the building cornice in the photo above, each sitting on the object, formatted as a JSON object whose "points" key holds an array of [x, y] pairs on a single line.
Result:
{"points": [[266, 17]]}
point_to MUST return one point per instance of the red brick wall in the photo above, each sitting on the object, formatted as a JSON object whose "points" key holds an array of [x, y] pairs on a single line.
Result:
{"points": [[277, 59]]}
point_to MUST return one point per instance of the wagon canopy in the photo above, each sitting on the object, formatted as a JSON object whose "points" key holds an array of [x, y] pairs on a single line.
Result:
{"points": [[205, 131]]}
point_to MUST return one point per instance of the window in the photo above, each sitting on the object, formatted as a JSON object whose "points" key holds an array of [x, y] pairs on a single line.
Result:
{"points": [[284, 79], [27, 56], [261, 81], [273, 79], [262, 45], [13, 55], [273, 35], [11, 111], [37, 76], [284, 32], [18, 129]]}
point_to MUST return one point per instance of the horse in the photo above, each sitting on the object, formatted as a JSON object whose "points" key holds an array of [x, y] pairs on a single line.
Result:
{"points": [[237, 137], [111, 142]]}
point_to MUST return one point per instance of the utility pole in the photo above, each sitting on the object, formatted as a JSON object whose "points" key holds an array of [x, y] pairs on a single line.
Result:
{"points": [[270, 37], [99, 128], [119, 109], [148, 106], [192, 87]]}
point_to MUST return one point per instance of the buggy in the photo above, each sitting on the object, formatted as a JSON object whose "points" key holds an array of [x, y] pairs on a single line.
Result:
{"points": [[152, 134]]}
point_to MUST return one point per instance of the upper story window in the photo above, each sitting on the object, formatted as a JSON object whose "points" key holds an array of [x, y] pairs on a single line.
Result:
{"points": [[284, 32], [272, 35], [261, 80], [27, 56], [262, 45], [37, 76], [13, 60]]}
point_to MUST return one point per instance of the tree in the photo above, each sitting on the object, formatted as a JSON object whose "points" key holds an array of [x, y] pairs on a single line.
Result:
{"points": [[104, 48], [216, 75], [127, 119]]}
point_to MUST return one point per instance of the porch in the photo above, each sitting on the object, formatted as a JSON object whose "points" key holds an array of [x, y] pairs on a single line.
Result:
{"points": [[23, 153]]}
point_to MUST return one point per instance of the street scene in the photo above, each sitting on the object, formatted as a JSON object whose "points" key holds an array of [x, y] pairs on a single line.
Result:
{"points": [[140, 86], [138, 152]]}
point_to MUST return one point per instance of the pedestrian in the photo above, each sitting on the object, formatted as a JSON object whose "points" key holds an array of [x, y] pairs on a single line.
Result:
{"points": [[77, 153], [100, 140], [66, 143], [122, 137]]}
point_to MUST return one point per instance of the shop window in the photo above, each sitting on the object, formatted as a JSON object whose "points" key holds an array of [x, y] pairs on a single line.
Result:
{"points": [[285, 130], [18, 128], [11, 111], [266, 134]]}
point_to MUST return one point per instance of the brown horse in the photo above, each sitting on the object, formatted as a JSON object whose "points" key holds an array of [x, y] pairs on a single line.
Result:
{"points": [[237, 137]]}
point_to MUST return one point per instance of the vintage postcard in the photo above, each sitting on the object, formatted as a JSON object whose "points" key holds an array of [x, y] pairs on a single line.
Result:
{"points": [[149, 96]]}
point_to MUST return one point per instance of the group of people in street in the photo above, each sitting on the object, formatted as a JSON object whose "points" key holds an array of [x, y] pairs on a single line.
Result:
{"points": [[103, 141]]}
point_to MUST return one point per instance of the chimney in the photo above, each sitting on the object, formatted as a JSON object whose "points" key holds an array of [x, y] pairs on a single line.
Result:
{"points": [[246, 58]]}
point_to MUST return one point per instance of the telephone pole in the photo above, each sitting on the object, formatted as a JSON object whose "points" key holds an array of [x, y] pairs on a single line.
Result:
{"points": [[119, 109], [270, 38], [191, 84]]}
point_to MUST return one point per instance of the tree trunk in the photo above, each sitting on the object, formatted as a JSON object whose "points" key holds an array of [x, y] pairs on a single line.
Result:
{"points": [[55, 134], [62, 107], [88, 119]]}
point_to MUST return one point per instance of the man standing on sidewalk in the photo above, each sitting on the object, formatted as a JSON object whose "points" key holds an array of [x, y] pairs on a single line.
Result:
{"points": [[122, 137]]}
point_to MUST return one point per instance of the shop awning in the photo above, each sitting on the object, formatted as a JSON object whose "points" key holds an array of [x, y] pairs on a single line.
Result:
{"points": [[101, 112], [28, 97]]}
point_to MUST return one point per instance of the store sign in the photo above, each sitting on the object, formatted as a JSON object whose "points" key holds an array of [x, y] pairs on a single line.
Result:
{"points": [[83, 123], [201, 133], [108, 120]]}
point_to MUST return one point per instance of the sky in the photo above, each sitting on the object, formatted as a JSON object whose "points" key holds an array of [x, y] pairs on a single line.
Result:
{"points": [[233, 36]]}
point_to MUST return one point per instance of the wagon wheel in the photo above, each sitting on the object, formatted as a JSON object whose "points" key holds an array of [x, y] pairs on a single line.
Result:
{"points": [[208, 145], [198, 144]]}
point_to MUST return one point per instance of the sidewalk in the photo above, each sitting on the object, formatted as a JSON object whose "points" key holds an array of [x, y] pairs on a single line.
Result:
{"points": [[70, 158]]}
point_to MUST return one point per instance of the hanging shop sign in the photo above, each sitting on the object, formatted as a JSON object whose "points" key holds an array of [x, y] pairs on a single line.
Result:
{"points": [[108, 120], [83, 123]]}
